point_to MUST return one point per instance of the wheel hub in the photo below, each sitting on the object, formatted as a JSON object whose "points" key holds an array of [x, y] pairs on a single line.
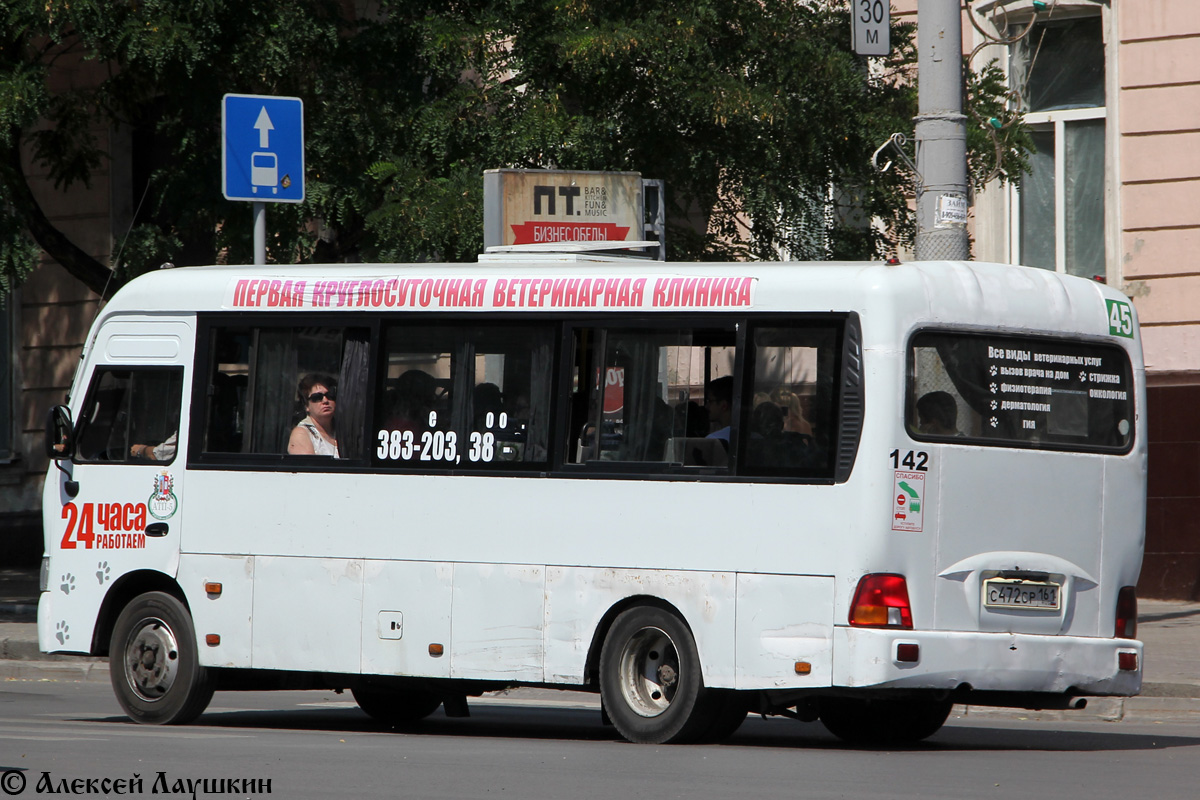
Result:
{"points": [[667, 675], [649, 672], [151, 659]]}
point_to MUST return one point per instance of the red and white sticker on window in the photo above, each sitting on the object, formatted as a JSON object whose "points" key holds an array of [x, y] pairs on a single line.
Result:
{"points": [[908, 501]]}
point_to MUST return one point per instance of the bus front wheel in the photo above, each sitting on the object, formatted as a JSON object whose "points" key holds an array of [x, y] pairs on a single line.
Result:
{"points": [[884, 721], [153, 662], [650, 681]]}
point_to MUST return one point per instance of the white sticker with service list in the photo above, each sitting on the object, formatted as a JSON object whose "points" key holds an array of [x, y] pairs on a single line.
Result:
{"points": [[908, 501]]}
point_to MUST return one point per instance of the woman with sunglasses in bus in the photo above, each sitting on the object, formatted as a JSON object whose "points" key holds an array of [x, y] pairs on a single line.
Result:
{"points": [[314, 435]]}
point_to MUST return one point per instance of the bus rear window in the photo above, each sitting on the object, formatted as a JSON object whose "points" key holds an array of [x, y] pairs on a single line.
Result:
{"points": [[1034, 392]]}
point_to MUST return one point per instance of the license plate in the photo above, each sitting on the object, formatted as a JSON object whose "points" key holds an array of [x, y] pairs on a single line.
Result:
{"points": [[1021, 594]]}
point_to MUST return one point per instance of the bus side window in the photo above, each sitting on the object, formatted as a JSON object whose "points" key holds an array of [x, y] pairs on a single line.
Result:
{"points": [[510, 376], [641, 395], [252, 385], [792, 409], [417, 408], [226, 415], [131, 416], [462, 396]]}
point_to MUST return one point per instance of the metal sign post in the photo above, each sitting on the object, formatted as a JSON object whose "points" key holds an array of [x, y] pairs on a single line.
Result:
{"points": [[262, 155]]}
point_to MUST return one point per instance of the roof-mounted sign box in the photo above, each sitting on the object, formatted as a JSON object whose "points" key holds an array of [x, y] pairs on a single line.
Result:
{"points": [[546, 206]]}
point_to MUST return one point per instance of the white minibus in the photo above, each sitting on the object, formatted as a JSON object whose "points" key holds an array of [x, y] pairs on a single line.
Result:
{"points": [[858, 493]]}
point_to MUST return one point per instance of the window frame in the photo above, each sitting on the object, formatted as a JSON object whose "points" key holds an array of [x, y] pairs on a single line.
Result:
{"points": [[845, 441], [464, 354], [848, 399], [81, 425], [997, 212], [643, 469], [206, 326], [1057, 121], [910, 395]]}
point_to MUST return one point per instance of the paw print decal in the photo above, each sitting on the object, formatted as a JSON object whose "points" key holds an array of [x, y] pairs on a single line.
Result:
{"points": [[61, 632], [103, 572], [68, 583]]}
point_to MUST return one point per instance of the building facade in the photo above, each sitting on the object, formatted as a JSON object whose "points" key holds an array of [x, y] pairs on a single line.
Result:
{"points": [[1111, 91], [43, 324]]}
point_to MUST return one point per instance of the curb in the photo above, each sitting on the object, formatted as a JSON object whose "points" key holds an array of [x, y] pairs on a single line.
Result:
{"points": [[23, 650], [79, 669]]}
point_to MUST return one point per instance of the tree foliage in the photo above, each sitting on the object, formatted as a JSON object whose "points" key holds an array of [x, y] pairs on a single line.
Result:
{"points": [[754, 112]]}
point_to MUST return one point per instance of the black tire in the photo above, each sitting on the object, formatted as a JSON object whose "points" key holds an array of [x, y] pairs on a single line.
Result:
{"points": [[154, 664], [650, 681], [876, 722], [728, 713], [396, 707]]}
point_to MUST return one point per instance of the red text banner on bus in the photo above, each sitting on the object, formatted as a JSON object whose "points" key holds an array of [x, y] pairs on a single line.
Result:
{"points": [[491, 293]]}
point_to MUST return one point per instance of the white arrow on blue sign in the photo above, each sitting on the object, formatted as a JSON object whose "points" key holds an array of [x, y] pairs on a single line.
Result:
{"points": [[262, 155]]}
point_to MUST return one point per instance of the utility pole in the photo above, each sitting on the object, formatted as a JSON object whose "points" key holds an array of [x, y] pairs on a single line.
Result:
{"points": [[941, 134]]}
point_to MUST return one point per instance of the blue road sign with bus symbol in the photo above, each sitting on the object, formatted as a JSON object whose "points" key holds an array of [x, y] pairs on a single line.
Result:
{"points": [[264, 171], [262, 156]]}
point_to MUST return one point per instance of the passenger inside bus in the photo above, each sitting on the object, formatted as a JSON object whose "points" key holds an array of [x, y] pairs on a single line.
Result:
{"points": [[720, 407], [691, 420], [486, 398], [164, 451], [315, 434], [411, 401], [797, 408], [937, 414], [767, 421]]}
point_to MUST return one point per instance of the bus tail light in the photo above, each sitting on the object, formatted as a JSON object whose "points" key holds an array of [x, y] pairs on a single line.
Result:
{"points": [[881, 601], [1127, 613]]}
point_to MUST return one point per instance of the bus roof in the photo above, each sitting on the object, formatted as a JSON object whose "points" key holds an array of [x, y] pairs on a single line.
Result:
{"points": [[958, 294]]}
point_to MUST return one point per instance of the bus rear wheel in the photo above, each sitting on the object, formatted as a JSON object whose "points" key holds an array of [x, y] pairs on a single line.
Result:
{"points": [[650, 681], [396, 707], [154, 664], [891, 721]]}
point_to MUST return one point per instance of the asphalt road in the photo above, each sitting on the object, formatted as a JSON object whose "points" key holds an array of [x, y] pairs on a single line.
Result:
{"points": [[319, 745]]}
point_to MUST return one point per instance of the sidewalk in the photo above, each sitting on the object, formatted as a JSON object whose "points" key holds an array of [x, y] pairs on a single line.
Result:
{"points": [[1169, 629]]}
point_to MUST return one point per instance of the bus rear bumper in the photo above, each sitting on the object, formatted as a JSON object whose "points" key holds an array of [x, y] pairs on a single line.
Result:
{"points": [[989, 662]]}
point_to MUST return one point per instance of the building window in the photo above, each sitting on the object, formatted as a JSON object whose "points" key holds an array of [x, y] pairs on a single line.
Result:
{"points": [[1059, 72]]}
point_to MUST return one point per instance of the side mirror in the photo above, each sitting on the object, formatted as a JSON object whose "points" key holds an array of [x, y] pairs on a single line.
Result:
{"points": [[60, 434]]}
